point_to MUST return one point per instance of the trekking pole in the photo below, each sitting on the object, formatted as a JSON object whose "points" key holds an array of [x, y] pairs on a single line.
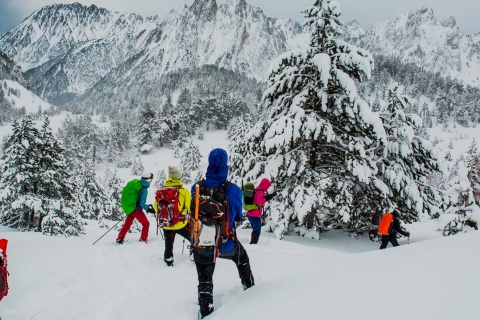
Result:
{"points": [[109, 230]]}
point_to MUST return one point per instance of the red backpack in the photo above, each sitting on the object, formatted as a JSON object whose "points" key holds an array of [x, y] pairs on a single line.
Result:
{"points": [[168, 213], [384, 225], [3, 269]]}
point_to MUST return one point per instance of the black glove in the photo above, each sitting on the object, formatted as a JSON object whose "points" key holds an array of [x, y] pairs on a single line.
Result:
{"points": [[150, 209], [270, 196], [407, 234]]}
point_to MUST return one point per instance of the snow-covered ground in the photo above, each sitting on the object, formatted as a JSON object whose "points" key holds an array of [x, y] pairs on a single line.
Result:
{"points": [[336, 277]]}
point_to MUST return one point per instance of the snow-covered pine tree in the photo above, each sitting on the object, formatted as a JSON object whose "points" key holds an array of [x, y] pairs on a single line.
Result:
{"points": [[177, 149], [462, 212], [160, 179], [473, 166], [146, 123], [474, 178], [20, 196], [137, 166], [472, 153], [236, 131], [54, 184], [201, 135], [317, 142], [112, 185], [407, 161], [190, 162], [89, 194]]}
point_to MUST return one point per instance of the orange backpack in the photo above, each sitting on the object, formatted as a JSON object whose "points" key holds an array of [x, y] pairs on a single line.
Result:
{"points": [[384, 225]]}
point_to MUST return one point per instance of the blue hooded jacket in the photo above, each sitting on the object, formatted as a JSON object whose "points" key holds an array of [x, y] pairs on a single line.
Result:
{"points": [[217, 173], [142, 196]]}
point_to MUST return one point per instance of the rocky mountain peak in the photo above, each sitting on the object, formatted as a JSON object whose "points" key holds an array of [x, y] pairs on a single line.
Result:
{"points": [[204, 8]]}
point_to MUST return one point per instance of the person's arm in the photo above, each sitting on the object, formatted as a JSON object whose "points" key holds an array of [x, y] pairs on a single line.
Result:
{"points": [[259, 198], [234, 196], [143, 199], [184, 200]]}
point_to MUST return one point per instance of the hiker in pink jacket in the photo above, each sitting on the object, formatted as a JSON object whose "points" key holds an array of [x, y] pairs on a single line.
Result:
{"points": [[260, 197]]}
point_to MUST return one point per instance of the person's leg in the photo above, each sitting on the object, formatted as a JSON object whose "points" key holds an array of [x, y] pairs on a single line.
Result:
{"points": [[241, 260], [169, 240], [142, 218], [205, 287], [393, 240], [256, 223], [384, 242], [126, 226]]}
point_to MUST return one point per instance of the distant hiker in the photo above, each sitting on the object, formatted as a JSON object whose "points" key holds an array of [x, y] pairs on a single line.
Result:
{"points": [[254, 213], [389, 227], [172, 204], [134, 197], [217, 204]]}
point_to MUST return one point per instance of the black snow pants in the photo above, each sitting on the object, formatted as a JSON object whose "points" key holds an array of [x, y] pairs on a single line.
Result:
{"points": [[392, 238], [206, 267], [170, 239]]}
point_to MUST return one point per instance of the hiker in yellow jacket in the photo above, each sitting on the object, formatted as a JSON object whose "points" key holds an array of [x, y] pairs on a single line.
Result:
{"points": [[179, 218]]}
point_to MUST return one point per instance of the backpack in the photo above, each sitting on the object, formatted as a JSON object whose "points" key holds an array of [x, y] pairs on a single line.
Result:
{"points": [[384, 225], [3, 269], [210, 221], [167, 200], [248, 194], [129, 197]]}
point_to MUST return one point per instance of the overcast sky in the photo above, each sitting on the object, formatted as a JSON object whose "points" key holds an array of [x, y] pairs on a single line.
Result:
{"points": [[367, 12]]}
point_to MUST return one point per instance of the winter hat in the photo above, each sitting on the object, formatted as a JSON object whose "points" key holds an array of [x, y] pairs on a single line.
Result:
{"points": [[174, 173], [147, 175], [396, 213]]}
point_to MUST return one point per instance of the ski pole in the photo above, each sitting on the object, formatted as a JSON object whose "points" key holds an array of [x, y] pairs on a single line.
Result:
{"points": [[109, 230]]}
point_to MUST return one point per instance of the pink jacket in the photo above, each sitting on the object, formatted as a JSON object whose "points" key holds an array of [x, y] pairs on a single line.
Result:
{"points": [[259, 198]]}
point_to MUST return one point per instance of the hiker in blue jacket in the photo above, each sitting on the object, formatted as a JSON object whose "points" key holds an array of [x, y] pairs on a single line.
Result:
{"points": [[216, 176]]}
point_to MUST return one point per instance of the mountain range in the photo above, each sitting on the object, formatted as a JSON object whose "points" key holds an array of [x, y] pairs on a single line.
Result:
{"points": [[70, 50]]}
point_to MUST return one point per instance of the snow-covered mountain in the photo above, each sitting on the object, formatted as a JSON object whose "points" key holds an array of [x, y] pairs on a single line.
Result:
{"points": [[67, 48], [15, 97], [418, 37]]}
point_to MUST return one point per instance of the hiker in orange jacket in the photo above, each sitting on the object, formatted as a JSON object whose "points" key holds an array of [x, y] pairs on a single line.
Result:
{"points": [[394, 228]]}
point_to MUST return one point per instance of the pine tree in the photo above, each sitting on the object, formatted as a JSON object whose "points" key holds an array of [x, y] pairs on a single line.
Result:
{"points": [[35, 182], [474, 178], [112, 186], [21, 200], [89, 194], [160, 179], [315, 142], [472, 153], [190, 162], [408, 160], [459, 215], [137, 166], [54, 185], [146, 124]]}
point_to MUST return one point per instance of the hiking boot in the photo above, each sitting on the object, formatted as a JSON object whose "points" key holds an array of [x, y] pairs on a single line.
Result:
{"points": [[169, 262], [120, 241], [141, 240], [206, 312]]}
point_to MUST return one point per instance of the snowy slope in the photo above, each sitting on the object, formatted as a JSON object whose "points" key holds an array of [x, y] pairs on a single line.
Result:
{"points": [[20, 97], [336, 277]]}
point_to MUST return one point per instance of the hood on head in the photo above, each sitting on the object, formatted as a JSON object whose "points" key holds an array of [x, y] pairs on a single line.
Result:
{"points": [[217, 165], [264, 184]]}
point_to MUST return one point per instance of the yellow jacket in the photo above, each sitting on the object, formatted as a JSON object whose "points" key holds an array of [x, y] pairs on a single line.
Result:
{"points": [[184, 200]]}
